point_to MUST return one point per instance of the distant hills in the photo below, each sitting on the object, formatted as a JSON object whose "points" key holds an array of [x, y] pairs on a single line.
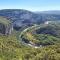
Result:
{"points": [[50, 12], [20, 17]]}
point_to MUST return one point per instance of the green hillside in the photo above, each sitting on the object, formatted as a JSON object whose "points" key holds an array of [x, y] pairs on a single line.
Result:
{"points": [[4, 21], [12, 49], [43, 34]]}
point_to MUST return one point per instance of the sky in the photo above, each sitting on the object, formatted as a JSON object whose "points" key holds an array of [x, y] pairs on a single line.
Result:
{"points": [[32, 5]]}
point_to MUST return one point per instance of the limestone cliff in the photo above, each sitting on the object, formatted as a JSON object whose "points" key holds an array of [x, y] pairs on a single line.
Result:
{"points": [[6, 26]]}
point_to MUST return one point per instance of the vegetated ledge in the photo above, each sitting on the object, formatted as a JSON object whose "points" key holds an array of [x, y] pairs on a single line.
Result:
{"points": [[6, 26]]}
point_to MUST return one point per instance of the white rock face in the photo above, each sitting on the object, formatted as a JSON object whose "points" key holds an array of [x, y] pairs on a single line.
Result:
{"points": [[47, 22], [9, 29], [6, 29]]}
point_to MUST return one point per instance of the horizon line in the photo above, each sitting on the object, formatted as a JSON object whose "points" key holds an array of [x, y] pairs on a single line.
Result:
{"points": [[30, 10]]}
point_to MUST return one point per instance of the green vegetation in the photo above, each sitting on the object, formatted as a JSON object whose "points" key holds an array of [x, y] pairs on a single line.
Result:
{"points": [[43, 34], [4, 21], [11, 47], [41, 39]]}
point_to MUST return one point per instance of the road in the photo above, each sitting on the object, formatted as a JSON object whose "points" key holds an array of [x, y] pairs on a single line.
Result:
{"points": [[29, 28], [31, 45]]}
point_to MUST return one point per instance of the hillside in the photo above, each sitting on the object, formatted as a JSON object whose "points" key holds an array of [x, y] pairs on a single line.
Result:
{"points": [[42, 34], [36, 36], [56, 12], [4, 21], [18, 16], [21, 17], [5, 26], [12, 49]]}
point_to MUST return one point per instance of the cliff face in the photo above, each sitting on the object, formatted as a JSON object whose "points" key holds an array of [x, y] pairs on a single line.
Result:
{"points": [[9, 29], [2, 28], [5, 26]]}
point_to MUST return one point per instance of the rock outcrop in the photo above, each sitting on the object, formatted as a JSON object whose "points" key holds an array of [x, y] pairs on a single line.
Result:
{"points": [[6, 26]]}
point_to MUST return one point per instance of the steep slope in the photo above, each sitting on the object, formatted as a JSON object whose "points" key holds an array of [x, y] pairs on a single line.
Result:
{"points": [[5, 26], [21, 17], [4, 21]]}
